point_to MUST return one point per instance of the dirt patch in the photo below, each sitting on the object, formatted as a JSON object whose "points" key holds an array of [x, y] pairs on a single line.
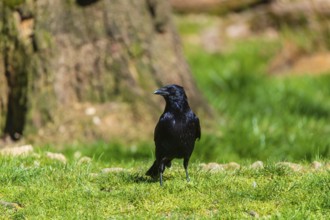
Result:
{"points": [[312, 64], [297, 63]]}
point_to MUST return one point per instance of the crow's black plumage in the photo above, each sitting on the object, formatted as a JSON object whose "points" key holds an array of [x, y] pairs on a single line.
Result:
{"points": [[176, 131]]}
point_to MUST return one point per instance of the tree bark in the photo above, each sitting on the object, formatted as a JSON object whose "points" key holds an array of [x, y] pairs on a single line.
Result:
{"points": [[213, 6], [62, 59]]}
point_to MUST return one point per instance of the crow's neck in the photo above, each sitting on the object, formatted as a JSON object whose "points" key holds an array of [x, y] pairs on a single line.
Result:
{"points": [[176, 106]]}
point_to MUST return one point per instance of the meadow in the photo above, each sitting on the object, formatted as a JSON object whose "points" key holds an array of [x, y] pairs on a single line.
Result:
{"points": [[43, 188], [257, 117]]}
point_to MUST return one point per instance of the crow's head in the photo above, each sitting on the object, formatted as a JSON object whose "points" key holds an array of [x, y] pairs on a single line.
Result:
{"points": [[171, 92]]}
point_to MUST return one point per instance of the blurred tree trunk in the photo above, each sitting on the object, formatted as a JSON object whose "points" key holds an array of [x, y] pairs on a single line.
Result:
{"points": [[65, 56]]}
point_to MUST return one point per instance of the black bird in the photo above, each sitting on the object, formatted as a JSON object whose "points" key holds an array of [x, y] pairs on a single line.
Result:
{"points": [[176, 131]]}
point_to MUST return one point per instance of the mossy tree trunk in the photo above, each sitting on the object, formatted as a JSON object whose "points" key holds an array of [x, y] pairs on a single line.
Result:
{"points": [[60, 57]]}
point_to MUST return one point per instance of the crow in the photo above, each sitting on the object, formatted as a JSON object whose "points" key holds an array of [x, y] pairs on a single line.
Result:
{"points": [[176, 131]]}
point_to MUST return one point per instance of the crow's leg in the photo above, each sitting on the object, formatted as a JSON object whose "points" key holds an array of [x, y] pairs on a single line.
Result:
{"points": [[161, 170], [185, 165], [161, 179]]}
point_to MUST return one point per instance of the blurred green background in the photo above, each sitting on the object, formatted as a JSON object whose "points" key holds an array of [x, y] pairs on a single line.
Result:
{"points": [[268, 87], [264, 68]]}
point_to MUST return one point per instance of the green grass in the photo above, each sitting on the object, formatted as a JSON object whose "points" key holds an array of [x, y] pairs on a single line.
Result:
{"points": [[47, 189]]}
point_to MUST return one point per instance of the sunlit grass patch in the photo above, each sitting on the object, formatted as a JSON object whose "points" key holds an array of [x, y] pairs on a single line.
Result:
{"points": [[48, 188]]}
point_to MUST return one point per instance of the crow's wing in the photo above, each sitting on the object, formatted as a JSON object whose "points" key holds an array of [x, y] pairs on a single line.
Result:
{"points": [[163, 127], [198, 128]]}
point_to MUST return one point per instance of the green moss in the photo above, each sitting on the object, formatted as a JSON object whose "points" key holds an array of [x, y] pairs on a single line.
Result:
{"points": [[136, 49], [13, 3], [43, 39]]}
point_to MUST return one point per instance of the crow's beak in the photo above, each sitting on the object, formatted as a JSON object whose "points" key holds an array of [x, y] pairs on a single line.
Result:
{"points": [[161, 91]]}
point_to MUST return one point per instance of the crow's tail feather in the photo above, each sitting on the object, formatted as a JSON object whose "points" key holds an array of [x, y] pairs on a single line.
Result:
{"points": [[153, 170]]}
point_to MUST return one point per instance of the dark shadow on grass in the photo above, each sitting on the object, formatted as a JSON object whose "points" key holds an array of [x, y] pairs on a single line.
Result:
{"points": [[126, 177], [305, 106], [139, 178], [312, 109]]}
